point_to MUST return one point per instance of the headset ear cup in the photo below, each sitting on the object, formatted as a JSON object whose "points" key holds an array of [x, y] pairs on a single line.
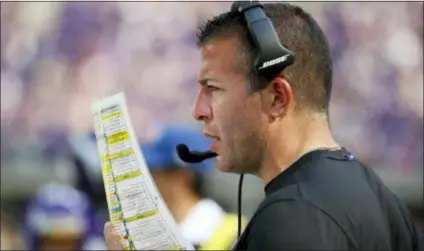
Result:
{"points": [[272, 57]]}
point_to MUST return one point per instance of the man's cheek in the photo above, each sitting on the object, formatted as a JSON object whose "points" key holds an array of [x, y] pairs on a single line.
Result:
{"points": [[227, 118], [219, 113]]}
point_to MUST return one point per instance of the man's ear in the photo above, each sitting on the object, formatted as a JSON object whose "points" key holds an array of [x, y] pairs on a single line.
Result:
{"points": [[282, 96]]}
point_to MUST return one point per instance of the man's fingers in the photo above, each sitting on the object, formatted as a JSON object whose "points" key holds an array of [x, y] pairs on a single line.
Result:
{"points": [[112, 238]]}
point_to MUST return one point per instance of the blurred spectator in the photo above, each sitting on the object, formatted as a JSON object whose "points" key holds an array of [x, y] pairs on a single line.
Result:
{"points": [[9, 236], [59, 57], [60, 217], [85, 157]]}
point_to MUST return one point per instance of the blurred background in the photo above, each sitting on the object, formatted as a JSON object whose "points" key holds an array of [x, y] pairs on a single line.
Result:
{"points": [[57, 57]]}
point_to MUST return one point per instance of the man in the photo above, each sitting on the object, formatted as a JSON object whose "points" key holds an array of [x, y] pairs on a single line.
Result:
{"points": [[318, 196], [60, 217], [202, 221]]}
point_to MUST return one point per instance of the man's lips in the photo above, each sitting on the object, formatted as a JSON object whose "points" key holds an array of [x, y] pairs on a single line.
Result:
{"points": [[210, 135], [213, 146]]}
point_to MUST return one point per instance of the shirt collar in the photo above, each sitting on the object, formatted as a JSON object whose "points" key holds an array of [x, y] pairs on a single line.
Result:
{"points": [[285, 178]]}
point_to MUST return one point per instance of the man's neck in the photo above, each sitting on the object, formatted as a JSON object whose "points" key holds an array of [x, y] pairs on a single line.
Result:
{"points": [[290, 141]]}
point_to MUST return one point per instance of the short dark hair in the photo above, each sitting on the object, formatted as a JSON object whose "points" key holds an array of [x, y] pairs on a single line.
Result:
{"points": [[311, 73]]}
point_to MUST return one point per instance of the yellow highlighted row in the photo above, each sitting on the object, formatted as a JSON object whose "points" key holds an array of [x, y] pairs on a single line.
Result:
{"points": [[127, 176], [141, 216], [118, 137], [114, 203], [120, 154], [107, 169], [112, 115], [110, 181], [110, 194], [117, 213]]}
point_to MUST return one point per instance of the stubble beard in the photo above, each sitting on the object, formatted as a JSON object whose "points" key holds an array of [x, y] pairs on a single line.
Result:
{"points": [[246, 155]]}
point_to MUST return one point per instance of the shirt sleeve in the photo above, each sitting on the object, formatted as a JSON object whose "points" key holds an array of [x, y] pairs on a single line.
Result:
{"points": [[295, 225]]}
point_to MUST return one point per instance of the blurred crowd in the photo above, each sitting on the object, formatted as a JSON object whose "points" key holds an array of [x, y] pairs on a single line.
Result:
{"points": [[58, 57]]}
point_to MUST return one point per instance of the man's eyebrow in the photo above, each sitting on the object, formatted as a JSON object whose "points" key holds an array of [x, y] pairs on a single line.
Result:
{"points": [[204, 81]]}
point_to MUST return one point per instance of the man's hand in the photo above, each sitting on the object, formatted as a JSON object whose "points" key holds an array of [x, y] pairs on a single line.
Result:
{"points": [[112, 238]]}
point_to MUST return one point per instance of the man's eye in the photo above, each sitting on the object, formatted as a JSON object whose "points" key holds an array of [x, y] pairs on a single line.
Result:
{"points": [[212, 88]]}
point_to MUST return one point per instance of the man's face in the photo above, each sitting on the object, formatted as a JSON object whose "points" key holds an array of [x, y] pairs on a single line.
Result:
{"points": [[231, 115]]}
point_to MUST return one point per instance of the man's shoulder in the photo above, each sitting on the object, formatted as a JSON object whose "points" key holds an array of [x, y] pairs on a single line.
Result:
{"points": [[338, 180], [327, 173], [297, 221], [331, 191], [328, 182]]}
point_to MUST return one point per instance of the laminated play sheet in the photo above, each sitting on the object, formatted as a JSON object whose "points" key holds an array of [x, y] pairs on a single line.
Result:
{"points": [[136, 208]]}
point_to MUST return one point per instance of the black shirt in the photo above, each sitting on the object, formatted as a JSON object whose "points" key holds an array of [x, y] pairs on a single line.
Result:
{"points": [[327, 200]]}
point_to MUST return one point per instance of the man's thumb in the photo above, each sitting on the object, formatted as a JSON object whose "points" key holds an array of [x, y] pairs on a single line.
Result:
{"points": [[112, 237]]}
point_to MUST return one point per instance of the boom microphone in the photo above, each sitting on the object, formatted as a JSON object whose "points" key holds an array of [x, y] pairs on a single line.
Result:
{"points": [[193, 156]]}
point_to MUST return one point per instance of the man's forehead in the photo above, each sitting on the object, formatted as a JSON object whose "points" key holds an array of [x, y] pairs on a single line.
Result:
{"points": [[220, 46], [218, 57]]}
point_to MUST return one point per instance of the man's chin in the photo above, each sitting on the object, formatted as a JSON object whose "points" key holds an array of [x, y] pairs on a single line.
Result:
{"points": [[224, 167], [220, 165]]}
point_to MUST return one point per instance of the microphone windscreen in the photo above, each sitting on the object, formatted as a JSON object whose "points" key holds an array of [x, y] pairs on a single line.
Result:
{"points": [[193, 157], [183, 152]]}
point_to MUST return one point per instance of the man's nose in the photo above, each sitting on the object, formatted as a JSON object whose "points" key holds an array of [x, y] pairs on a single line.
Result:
{"points": [[201, 109]]}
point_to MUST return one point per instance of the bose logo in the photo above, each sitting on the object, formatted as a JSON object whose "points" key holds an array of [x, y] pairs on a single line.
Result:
{"points": [[274, 62]]}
